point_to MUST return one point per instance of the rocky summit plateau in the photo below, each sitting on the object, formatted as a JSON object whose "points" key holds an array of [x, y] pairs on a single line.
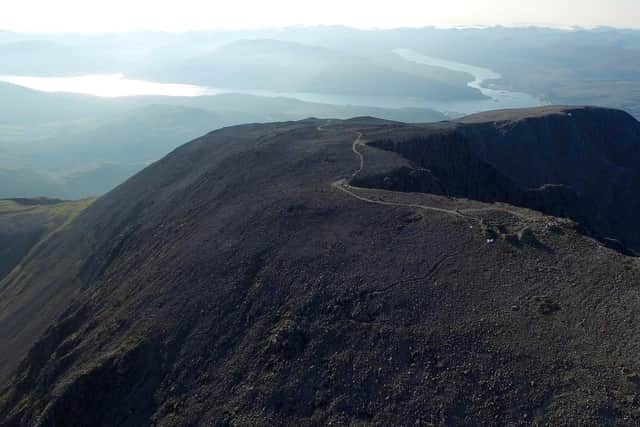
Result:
{"points": [[481, 271]]}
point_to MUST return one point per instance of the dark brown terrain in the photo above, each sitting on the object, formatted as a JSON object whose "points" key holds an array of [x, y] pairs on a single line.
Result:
{"points": [[250, 278]]}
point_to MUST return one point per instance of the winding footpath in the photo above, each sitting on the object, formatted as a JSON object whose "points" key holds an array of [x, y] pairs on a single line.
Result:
{"points": [[344, 186]]}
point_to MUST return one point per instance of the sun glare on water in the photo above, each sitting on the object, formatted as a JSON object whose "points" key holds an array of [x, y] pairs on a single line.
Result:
{"points": [[104, 85]]}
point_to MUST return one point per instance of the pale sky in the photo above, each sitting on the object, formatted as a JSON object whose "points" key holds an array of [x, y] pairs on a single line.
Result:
{"points": [[184, 15]]}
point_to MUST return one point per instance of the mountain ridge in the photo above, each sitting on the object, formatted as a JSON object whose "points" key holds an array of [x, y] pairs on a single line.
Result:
{"points": [[232, 282]]}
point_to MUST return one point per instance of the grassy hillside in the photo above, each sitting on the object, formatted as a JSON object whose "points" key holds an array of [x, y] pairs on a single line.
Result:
{"points": [[26, 223]]}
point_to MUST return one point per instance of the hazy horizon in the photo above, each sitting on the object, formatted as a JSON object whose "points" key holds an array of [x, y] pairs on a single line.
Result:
{"points": [[75, 16], [312, 26]]}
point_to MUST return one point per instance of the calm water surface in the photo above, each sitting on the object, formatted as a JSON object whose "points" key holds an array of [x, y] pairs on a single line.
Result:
{"points": [[118, 85]]}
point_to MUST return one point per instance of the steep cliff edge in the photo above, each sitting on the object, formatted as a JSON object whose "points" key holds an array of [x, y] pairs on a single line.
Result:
{"points": [[582, 163]]}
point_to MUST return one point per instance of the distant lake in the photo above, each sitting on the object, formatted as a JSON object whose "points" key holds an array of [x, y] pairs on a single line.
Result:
{"points": [[118, 85], [498, 99], [104, 85]]}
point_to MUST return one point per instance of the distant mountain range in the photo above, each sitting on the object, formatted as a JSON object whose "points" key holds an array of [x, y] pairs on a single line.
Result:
{"points": [[597, 67], [292, 67], [72, 146]]}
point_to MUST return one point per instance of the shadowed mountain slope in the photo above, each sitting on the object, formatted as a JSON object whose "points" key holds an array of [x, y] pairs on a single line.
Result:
{"points": [[242, 280], [582, 163]]}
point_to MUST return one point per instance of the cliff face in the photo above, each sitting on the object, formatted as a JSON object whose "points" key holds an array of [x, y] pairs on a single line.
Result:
{"points": [[592, 151], [448, 159], [241, 281], [581, 163]]}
